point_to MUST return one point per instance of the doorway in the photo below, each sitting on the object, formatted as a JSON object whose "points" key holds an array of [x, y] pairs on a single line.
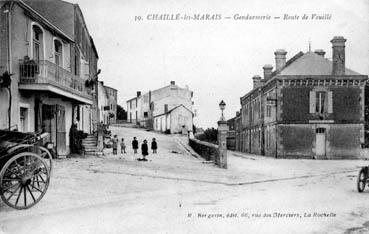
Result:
{"points": [[53, 122], [23, 120], [320, 146]]}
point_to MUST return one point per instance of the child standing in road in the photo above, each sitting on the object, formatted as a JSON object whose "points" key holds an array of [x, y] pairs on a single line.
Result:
{"points": [[115, 144], [122, 146], [135, 145], [154, 146], [144, 150]]}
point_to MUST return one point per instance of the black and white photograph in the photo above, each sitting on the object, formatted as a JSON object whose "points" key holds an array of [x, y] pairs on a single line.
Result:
{"points": [[184, 116]]}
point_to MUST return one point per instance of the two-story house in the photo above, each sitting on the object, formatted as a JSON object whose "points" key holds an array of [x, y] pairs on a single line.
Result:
{"points": [[48, 93], [83, 54], [309, 107]]}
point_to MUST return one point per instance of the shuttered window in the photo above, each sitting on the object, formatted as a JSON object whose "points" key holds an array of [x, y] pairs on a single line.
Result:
{"points": [[321, 102]]}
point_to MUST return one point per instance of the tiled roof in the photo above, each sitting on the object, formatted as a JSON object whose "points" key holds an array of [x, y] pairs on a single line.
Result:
{"points": [[64, 19], [181, 105], [311, 64]]}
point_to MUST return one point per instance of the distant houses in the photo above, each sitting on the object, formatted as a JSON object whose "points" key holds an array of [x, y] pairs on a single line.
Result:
{"points": [[168, 109], [308, 107], [107, 103]]}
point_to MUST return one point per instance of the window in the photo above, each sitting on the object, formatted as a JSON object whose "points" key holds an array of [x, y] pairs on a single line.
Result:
{"points": [[145, 115], [37, 40], [320, 130], [58, 52], [320, 101], [269, 111]]}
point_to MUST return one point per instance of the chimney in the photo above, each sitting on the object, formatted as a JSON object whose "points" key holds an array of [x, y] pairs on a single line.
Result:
{"points": [[267, 71], [172, 82], [138, 93], [257, 81], [280, 59], [320, 52], [338, 46]]}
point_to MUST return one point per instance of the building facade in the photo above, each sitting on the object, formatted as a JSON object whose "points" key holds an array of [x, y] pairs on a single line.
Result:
{"points": [[308, 107], [150, 109], [48, 92], [107, 99], [83, 54]]}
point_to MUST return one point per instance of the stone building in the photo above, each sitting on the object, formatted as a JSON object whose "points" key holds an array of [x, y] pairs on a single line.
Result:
{"points": [[308, 107], [167, 108], [50, 63]]}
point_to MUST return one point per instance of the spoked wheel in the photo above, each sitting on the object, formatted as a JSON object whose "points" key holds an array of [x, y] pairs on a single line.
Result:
{"points": [[46, 155], [24, 180], [361, 180]]}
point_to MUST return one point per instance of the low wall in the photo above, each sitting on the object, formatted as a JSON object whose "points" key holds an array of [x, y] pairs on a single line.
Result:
{"points": [[206, 150]]}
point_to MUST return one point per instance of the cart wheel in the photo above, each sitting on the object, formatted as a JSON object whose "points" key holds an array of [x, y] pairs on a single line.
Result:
{"points": [[361, 180], [24, 180], [45, 154]]}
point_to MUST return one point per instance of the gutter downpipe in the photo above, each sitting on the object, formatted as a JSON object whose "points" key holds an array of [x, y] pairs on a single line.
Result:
{"points": [[9, 61], [276, 119]]}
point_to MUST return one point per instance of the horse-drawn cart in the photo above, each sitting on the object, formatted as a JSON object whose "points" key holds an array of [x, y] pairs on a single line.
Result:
{"points": [[25, 169]]}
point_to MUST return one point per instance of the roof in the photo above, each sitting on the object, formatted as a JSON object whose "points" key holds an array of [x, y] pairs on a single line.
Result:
{"points": [[306, 64], [94, 47], [64, 19], [110, 87], [132, 99], [173, 110], [312, 64], [46, 20]]}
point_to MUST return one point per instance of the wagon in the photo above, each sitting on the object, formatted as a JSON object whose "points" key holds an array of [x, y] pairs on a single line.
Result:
{"points": [[25, 169], [362, 179]]}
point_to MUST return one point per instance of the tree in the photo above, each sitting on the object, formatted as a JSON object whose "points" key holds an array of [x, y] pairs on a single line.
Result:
{"points": [[121, 113]]}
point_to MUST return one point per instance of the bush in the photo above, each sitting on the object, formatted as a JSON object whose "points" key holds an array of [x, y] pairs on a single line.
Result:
{"points": [[210, 135]]}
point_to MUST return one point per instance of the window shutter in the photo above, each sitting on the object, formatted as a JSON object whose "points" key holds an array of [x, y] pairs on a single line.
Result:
{"points": [[330, 102], [312, 102]]}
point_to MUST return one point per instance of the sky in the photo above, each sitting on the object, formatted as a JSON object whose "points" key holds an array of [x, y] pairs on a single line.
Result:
{"points": [[215, 58]]}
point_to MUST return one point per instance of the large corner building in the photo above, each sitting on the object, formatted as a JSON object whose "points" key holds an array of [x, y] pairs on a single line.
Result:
{"points": [[308, 107]]}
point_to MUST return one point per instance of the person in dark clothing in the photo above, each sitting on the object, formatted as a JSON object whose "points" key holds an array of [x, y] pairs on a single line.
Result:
{"points": [[115, 144], [144, 150], [135, 145], [154, 146]]}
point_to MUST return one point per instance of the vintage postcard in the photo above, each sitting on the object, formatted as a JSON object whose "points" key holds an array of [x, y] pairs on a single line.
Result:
{"points": [[193, 116]]}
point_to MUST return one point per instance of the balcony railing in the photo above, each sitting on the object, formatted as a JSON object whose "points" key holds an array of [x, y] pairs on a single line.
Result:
{"points": [[46, 72]]}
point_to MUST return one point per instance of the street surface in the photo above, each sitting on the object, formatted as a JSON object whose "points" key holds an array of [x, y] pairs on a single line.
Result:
{"points": [[175, 192]]}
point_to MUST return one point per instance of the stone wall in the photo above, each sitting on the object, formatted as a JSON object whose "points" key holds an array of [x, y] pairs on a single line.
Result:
{"points": [[206, 150]]}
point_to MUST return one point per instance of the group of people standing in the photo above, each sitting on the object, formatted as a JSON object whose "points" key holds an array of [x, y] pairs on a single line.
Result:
{"points": [[144, 147]]}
